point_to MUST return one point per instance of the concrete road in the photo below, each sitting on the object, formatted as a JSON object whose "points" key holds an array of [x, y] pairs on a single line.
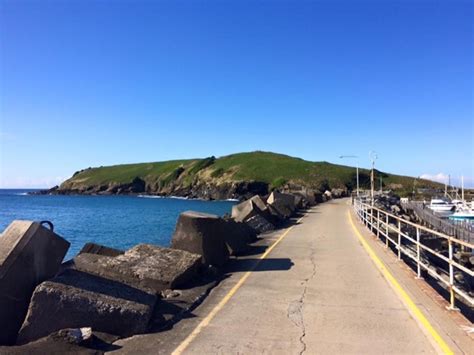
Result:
{"points": [[317, 291]]}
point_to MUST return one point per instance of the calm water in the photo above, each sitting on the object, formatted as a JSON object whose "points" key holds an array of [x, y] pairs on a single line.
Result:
{"points": [[115, 221]]}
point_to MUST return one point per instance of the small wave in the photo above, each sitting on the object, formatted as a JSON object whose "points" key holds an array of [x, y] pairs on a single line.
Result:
{"points": [[22, 194], [179, 197], [233, 200], [155, 196]]}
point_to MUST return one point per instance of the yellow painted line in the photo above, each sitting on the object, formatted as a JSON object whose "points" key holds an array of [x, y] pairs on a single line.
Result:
{"points": [[205, 322], [414, 310]]}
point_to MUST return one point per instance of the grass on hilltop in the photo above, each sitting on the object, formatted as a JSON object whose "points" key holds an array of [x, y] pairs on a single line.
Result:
{"points": [[271, 168]]}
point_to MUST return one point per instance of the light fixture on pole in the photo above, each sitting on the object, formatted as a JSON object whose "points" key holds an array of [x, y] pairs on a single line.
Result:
{"points": [[357, 168], [373, 158]]}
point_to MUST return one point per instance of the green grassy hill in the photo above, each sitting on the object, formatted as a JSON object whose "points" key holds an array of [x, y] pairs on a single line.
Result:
{"points": [[223, 177]]}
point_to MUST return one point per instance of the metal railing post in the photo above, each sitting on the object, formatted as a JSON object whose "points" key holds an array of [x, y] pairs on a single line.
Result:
{"points": [[372, 217], [452, 298], [418, 267], [399, 240], [386, 230], [378, 224]]}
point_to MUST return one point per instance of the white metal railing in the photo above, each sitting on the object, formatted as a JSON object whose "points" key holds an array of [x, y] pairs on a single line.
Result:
{"points": [[405, 236]]}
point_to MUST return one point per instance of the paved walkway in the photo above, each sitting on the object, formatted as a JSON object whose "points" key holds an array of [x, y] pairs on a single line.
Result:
{"points": [[317, 291]]}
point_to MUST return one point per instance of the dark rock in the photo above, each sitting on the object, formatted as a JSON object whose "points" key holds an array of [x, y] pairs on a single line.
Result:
{"points": [[147, 267], [29, 254], [92, 248], [201, 233], [76, 299]]}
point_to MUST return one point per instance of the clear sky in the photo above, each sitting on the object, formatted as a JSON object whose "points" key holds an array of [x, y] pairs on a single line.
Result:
{"points": [[89, 83]]}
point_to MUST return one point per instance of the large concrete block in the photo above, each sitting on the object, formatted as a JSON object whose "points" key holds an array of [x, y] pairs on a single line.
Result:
{"points": [[244, 210], [93, 248], [281, 209], [75, 299], [248, 208], [243, 229], [147, 267], [299, 202], [237, 235], [29, 254], [257, 201], [310, 196], [338, 193], [287, 200], [201, 233], [259, 224]]}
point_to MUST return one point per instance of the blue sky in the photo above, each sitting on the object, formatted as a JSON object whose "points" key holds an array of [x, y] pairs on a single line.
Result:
{"points": [[89, 83]]}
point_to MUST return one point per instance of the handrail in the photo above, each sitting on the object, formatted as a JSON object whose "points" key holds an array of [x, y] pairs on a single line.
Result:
{"points": [[423, 228], [377, 221]]}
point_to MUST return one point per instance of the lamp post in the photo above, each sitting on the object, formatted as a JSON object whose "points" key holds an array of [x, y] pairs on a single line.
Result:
{"points": [[373, 158], [357, 168]]}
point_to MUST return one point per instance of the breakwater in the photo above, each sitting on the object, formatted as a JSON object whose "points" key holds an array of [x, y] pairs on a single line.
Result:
{"points": [[125, 292]]}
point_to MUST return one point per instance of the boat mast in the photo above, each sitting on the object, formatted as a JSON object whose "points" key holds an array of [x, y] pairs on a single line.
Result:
{"points": [[446, 188]]}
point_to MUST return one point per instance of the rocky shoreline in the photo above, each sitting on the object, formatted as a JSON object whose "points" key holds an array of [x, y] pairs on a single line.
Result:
{"points": [[237, 190], [227, 191], [104, 294]]}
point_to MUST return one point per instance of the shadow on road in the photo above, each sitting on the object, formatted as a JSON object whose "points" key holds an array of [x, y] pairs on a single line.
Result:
{"points": [[273, 264]]}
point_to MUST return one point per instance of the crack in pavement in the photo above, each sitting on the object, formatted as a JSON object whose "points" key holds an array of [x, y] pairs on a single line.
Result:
{"points": [[295, 308]]}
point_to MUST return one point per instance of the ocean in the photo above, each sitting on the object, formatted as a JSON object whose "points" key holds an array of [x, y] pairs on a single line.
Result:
{"points": [[115, 221]]}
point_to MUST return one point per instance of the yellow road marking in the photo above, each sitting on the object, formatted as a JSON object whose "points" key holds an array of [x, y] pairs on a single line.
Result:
{"points": [[414, 310], [179, 350]]}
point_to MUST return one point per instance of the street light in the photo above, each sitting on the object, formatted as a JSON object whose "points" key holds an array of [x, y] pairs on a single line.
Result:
{"points": [[373, 158], [357, 168]]}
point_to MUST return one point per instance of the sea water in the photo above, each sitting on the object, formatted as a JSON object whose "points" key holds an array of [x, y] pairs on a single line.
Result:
{"points": [[115, 221]]}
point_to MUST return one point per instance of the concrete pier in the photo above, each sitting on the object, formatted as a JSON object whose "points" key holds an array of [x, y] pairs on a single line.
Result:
{"points": [[317, 288]]}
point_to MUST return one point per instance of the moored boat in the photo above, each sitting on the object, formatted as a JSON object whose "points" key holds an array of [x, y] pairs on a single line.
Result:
{"points": [[439, 205]]}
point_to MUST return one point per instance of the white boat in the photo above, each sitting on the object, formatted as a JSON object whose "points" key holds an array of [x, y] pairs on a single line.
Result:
{"points": [[438, 205], [462, 215], [463, 212]]}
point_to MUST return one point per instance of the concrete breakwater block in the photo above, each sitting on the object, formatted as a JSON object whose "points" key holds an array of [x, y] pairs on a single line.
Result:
{"points": [[242, 229], [262, 218], [287, 200], [75, 299], [237, 236], [201, 233], [93, 248], [338, 193], [281, 209], [29, 254], [308, 195], [147, 267], [245, 210], [259, 224]]}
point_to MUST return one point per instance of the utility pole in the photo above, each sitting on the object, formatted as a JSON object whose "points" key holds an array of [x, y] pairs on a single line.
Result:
{"points": [[462, 189], [373, 157], [381, 185], [357, 168]]}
